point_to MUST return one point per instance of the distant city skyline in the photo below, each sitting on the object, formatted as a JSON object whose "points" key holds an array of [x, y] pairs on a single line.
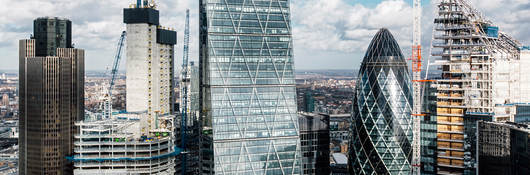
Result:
{"points": [[338, 41]]}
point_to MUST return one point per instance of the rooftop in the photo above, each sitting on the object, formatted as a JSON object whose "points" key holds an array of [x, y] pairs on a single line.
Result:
{"points": [[340, 158]]}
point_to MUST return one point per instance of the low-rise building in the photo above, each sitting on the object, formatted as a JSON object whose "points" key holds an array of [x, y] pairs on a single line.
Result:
{"points": [[503, 148], [314, 138], [125, 145]]}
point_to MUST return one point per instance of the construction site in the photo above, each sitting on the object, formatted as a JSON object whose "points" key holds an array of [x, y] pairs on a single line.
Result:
{"points": [[481, 77], [140, 140], [116, 146]]}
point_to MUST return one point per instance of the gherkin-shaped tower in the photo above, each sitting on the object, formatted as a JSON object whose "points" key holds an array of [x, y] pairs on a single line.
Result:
{"points": [[381, 132]]}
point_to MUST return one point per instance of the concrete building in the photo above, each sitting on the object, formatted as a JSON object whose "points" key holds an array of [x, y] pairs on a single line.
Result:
{"points": [[314, 138], [248, 92], [142, 139], [481, 76], [51, 97], [503, 148], [150, 61], [118, 146]]}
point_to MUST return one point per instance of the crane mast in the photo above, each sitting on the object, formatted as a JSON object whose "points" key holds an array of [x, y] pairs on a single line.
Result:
{"points": [[117, 59], [108, 101], [184, 93], [416, 81]]}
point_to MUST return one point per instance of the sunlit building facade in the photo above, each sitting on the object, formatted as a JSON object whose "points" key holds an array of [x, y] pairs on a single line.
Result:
{"points": [[382, 127], [248, 98]]}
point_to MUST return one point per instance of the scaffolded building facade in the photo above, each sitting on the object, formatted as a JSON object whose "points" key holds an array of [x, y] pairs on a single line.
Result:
{"points": [[480, 72], [141, 141], [117, 146]]}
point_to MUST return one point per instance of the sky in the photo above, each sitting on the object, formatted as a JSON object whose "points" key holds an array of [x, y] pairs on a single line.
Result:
{"points": [[328, 34]]}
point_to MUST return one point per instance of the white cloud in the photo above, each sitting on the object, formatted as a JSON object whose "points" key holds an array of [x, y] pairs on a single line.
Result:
{"points": [[334, 25], [330, 33], [97, 25]]}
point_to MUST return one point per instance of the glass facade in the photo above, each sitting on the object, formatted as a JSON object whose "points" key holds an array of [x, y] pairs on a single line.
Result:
{"points": [[429, 130], [382, 123], [248, 95]]}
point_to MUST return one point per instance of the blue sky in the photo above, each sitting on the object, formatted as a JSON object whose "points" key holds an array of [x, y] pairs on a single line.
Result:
{"points": [[328, 34]]}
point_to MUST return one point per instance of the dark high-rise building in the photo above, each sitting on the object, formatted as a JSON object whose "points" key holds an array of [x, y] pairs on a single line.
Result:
{"points": [[314, 138], [381, 124], [50, 34], [51, 99], [248, 92], [428, 130], [503, 148], [309, 102]]}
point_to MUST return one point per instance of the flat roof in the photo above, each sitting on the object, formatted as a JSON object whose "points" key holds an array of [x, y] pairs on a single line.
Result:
{"points": [[340, 158]]}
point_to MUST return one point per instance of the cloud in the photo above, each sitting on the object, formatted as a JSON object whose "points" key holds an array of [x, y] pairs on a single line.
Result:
{"points": [[335, 25], [513, 18], [327, 33], [97, 25], [346, 29]]}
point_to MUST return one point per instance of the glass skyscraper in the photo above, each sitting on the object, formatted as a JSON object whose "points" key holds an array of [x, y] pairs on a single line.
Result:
{"points": [[248, 99], [382, 125]]}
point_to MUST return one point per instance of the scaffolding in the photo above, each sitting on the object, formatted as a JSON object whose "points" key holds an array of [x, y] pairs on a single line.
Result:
{"points": [[118, 146], [470, 51]]}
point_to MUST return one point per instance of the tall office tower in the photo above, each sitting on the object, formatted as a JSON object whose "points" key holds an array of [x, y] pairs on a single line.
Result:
{"points": [[315, 140], [50, 34], [381, 124], [150, 61], [480, 80], [51, 97], [248, 93], [503, 148], [141, 141]]}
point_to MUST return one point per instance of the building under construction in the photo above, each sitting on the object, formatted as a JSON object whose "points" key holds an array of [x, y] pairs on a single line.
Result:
{"points": [[481, 75], [117, 146], [141, 140]]}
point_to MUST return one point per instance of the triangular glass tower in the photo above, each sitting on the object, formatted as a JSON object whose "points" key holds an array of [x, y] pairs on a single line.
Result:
{"points": [[382, 127], [248, 92]]}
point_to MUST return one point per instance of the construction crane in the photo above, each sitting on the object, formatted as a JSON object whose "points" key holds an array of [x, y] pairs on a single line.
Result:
{"points": [[116, 63], [417, 91], [184, 92], [113, 72]]}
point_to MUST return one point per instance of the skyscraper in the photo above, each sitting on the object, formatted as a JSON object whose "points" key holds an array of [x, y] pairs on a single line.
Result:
{"points": [[142, 140], [480, 79], [382, 127], [150, 56], [51, 97], [247, 95]]}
